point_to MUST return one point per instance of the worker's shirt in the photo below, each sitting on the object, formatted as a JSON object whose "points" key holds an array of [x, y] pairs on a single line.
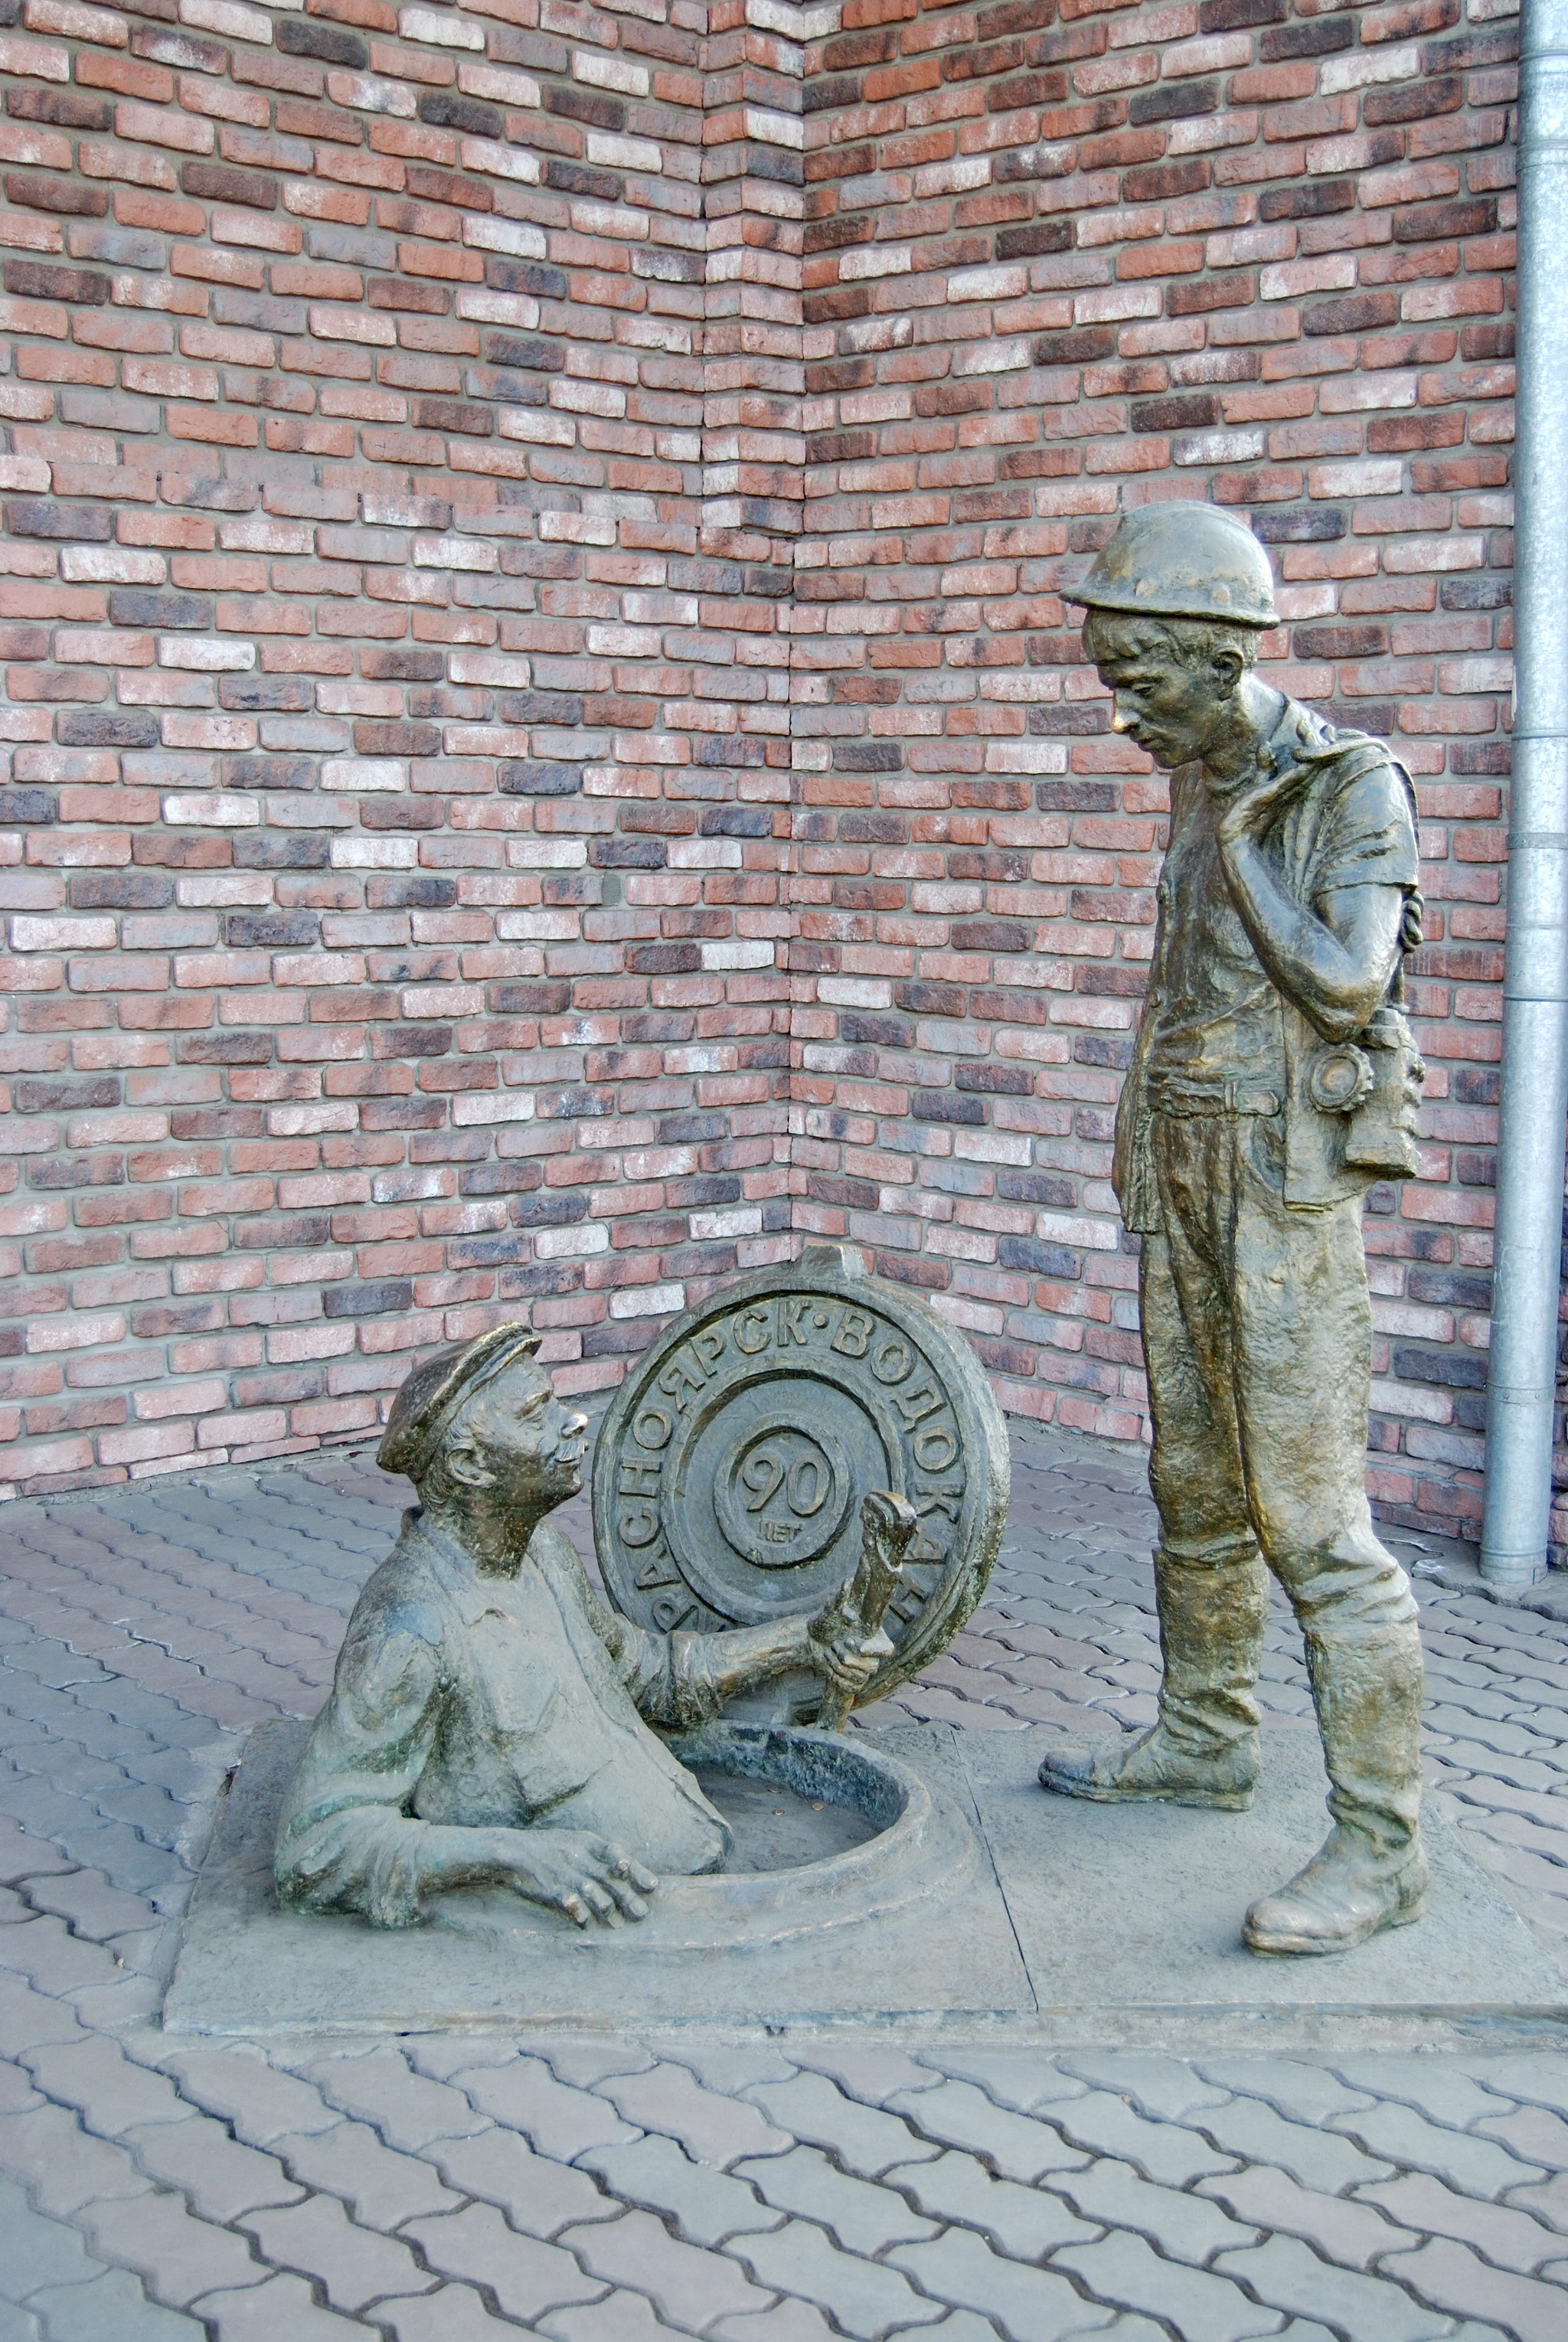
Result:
{"points": [[1216, 1012], [481, 1701]]}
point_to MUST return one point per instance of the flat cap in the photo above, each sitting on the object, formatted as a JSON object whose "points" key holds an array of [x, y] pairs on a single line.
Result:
{"points": [[432, 1393]]}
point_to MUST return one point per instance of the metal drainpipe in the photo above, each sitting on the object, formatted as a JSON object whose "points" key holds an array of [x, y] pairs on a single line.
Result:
{"points": [[1523, 1372]]}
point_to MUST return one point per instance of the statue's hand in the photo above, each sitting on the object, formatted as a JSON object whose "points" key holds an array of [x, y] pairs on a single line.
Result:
{"points": [[587, 1877], [1247, 814], [850, 1660]]}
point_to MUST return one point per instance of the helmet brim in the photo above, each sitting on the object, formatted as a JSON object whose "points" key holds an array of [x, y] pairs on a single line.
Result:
{"points": [[1129, 604]]}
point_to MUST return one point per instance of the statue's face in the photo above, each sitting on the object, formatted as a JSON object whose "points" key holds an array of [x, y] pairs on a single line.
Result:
{"points": [[524, 1437], [1171, 710]]}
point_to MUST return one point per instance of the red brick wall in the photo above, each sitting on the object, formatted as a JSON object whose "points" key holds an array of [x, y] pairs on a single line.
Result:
{"points": [[546, 757], [397, 740]]}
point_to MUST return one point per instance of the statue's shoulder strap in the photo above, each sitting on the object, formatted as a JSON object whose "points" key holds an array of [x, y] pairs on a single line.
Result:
{"points": [[1340, 754]]}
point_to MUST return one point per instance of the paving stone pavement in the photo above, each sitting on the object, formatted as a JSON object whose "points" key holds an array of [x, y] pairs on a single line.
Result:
{"points": [[443, 2188]]}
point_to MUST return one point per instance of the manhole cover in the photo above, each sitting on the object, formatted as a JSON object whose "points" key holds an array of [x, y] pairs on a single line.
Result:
{"points": [[729, 1469]]}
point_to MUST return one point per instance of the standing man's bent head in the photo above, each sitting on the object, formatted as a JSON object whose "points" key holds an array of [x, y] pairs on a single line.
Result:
{"points": [[1177, 600]]}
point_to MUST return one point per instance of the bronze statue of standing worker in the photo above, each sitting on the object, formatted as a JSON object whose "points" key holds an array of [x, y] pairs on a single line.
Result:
{"points": [[1273, 1082]]}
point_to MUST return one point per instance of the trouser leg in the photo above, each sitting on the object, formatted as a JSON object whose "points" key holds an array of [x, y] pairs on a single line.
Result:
{"points": [[1213, 1608], [1211, 1590], [1211, 1587], [1370, 1872], [1203, 1749], [1302, 1333]]}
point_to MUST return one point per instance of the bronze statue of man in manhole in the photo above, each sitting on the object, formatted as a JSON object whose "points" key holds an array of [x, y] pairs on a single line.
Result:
{"points": [[485, 1725], [1274, 1081]]}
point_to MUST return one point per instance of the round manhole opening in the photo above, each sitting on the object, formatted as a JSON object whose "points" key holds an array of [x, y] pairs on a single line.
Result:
{"points": [[779, 1829]]}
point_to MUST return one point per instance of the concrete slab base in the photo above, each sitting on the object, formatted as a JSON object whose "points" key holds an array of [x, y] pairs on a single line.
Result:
{"points": [[1055, 1921], [1130, 1916], [932, 1944]]}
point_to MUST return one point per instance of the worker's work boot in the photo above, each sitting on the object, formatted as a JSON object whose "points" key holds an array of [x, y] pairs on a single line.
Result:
{"points": [[1370, 1873], [1203, 1750]]}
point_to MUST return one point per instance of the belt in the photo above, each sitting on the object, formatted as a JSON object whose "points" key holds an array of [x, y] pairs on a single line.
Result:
{"points": [[1169, 1094]]}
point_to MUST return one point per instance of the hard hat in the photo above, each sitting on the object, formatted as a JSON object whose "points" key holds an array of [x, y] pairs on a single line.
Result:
{"points": [[1182, 561]]}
